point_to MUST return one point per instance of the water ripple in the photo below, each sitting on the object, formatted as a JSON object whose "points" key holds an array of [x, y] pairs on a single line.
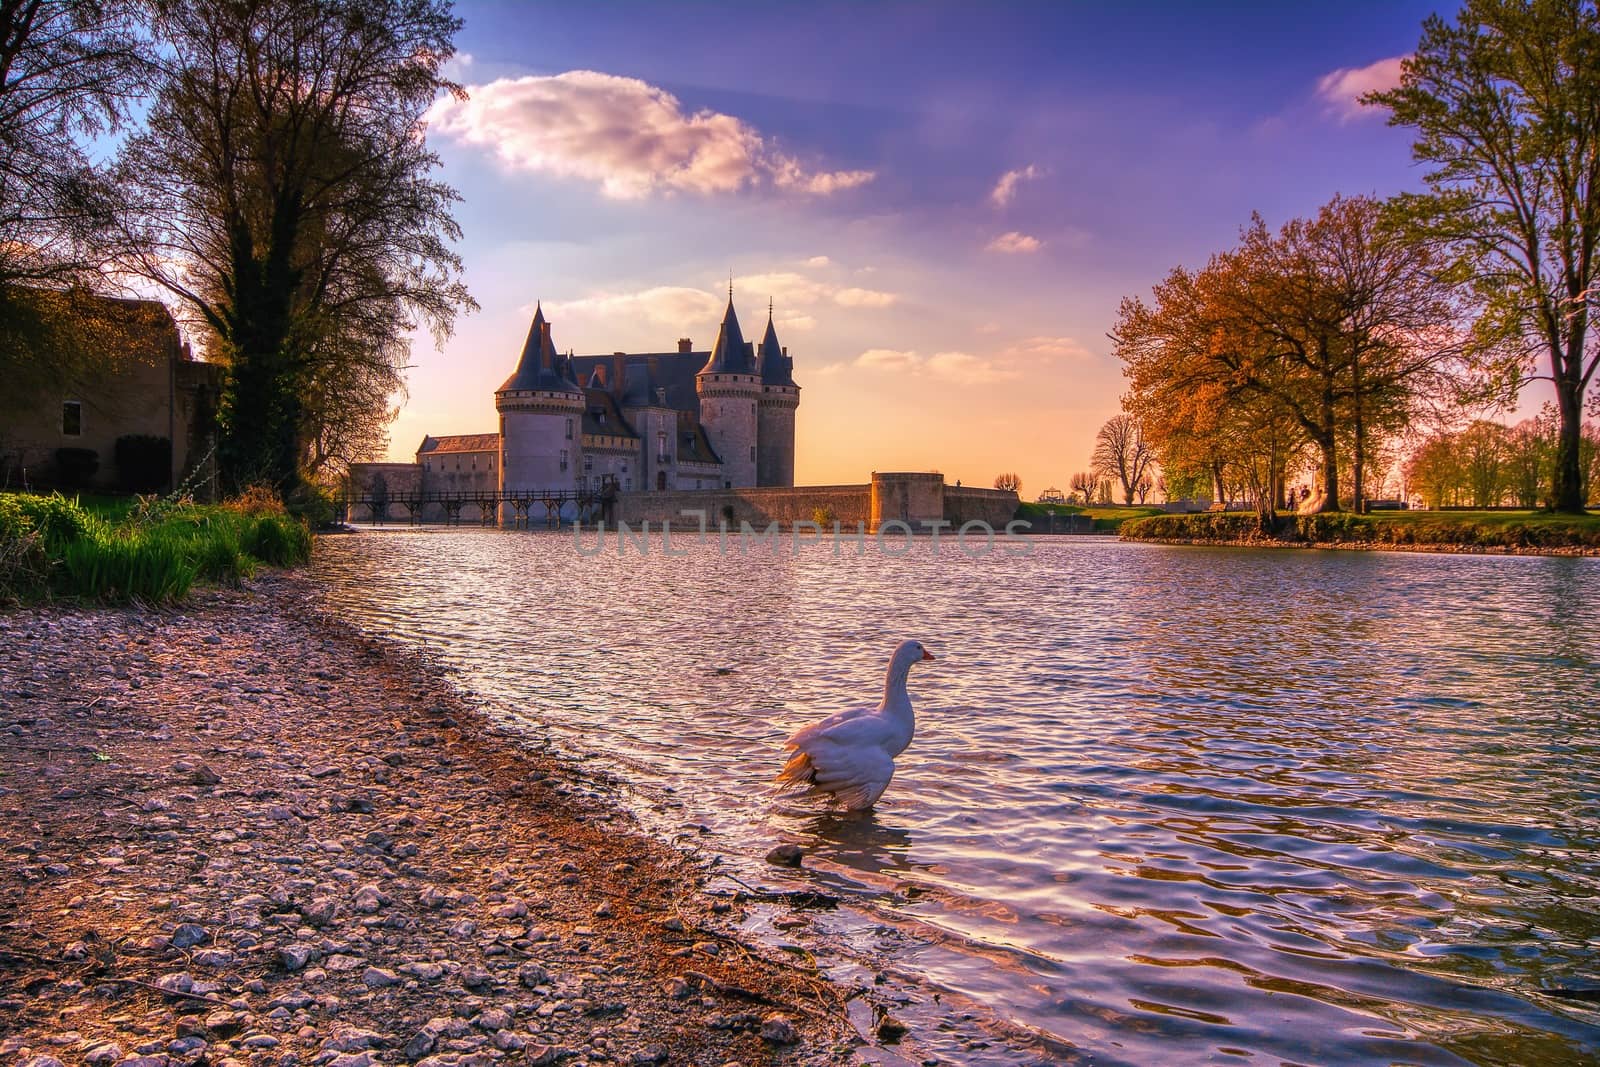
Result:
{"points": [[1164, 805]]}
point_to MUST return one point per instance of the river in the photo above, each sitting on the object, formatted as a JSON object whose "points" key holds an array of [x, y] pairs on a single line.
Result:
{"points": [[1165, 804]]}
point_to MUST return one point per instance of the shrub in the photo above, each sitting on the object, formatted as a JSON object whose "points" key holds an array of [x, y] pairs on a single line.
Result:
{"points": [[824, 517], [256, 501], [312, 504], [57, 520], [144, 463], [279, 541], [76, 467]]}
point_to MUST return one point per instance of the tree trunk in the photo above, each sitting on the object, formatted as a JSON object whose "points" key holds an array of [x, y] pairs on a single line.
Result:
{"points": [[1567, 485]]}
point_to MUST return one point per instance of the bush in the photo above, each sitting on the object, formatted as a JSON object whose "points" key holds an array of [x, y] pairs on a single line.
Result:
{"points": [[824, 517], [256, 501], [312, 504], [57, 520], [76, 467], [279, 541], [144, 463]]}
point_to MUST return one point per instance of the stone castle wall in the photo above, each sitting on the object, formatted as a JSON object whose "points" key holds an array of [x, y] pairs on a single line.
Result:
{"points": [[993, 506], [759, 507]]}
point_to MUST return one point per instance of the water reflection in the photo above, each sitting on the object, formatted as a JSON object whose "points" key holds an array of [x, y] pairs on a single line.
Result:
{"points": [[1164, 805]]}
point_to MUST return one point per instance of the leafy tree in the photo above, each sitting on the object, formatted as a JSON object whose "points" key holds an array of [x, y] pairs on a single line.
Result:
{"points": [[1330, 331], [1529, 455], [67, 71], [1434, 471], [281, 191], [1009, 481], [1482, 451], [1120, 452], [1506, 105]]}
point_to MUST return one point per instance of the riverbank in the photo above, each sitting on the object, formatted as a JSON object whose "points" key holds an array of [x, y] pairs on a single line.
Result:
{"points": [[241, 833], [1488, 532]]}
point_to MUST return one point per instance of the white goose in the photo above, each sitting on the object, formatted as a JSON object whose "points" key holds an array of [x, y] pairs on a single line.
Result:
{"points": [[850, 754]]}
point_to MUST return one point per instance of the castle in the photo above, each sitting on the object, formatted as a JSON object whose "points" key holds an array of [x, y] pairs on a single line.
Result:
{"points": [[723, 419]]}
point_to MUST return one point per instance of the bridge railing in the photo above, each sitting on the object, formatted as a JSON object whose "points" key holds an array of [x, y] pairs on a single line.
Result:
{"points": [[524, 506]]}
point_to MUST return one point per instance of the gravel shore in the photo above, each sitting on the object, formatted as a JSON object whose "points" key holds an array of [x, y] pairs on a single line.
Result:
{"points": [[240, 833]]}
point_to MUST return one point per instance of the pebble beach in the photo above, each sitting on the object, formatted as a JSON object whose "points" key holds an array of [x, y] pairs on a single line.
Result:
{"points": [[243, 833]]}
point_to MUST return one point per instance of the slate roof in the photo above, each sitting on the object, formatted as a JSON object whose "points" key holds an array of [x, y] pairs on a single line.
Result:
{"points": [[461, 442], [732, 354], [645, 372], [540, 366], [776, 368], [602, 416], [693, 444]]}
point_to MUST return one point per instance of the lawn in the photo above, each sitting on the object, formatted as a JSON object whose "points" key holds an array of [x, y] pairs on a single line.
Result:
{"points": [[1488, 529], [1108, 518]]}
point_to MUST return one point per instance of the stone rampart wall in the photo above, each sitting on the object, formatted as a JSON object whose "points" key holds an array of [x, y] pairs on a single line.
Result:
{"points": [[759, 507], [993, 506]]}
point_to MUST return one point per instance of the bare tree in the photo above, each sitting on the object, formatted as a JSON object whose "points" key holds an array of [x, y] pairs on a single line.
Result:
{"points": [[1083, 482], [1120, 452], [1009, 482]]}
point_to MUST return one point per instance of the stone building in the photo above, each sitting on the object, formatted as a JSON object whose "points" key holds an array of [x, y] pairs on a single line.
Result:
{"points": [[657, 421], [143, 383]]}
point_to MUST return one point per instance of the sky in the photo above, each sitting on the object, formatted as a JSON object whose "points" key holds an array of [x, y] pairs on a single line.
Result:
{"points": [[944, 203]]}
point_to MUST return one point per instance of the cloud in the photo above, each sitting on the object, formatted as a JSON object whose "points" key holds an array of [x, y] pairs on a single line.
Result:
{"points": [[864, 298], [1005, 190], [887, 359], [1341, 91], [1013, 243], [818, 261], [678, 307], [631, 138], [1012, 362], [790, 289]]}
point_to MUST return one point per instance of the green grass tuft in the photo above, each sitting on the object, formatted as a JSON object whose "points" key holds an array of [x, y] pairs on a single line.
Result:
{"points": [[51, 546]]}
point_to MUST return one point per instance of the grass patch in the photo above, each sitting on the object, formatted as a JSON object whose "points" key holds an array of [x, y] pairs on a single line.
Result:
{"points": [[110, 550], [1108, 518], [1473, 529]]}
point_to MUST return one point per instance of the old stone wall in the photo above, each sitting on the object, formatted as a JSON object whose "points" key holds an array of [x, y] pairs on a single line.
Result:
{"points": [[993, 506], [759, 507], [396, 479]]}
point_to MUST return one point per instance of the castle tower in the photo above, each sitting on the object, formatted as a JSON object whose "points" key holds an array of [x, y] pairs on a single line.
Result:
{"points": [[775, 412], [541, 419], [729, 386]]}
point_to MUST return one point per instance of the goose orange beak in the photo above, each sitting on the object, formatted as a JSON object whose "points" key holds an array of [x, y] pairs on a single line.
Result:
{"points": [[927, 655]]}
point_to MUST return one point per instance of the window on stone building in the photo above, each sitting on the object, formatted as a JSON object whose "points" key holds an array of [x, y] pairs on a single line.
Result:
{"points": [[563, 459], [752, 453], [569, 429], [72, 418], [627, 483]]}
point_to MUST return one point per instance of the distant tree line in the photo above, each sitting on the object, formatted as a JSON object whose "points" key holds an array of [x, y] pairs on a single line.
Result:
{"points": [[1317, 350], [276, 187], [1488, 464]]}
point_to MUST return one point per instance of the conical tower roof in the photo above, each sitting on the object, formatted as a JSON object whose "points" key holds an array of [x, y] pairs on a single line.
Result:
{"points": [[539, 367], [776, 368], [731, 354]]}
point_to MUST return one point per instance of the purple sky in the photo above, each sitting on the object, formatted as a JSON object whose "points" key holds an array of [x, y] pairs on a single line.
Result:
{"points": [[945, 202]]}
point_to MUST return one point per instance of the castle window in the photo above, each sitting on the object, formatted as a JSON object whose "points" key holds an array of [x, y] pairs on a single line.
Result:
{"points": [[569, 437], [627, 483], [72, 418], [564, 455], [588, 463], [752, 453]]}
